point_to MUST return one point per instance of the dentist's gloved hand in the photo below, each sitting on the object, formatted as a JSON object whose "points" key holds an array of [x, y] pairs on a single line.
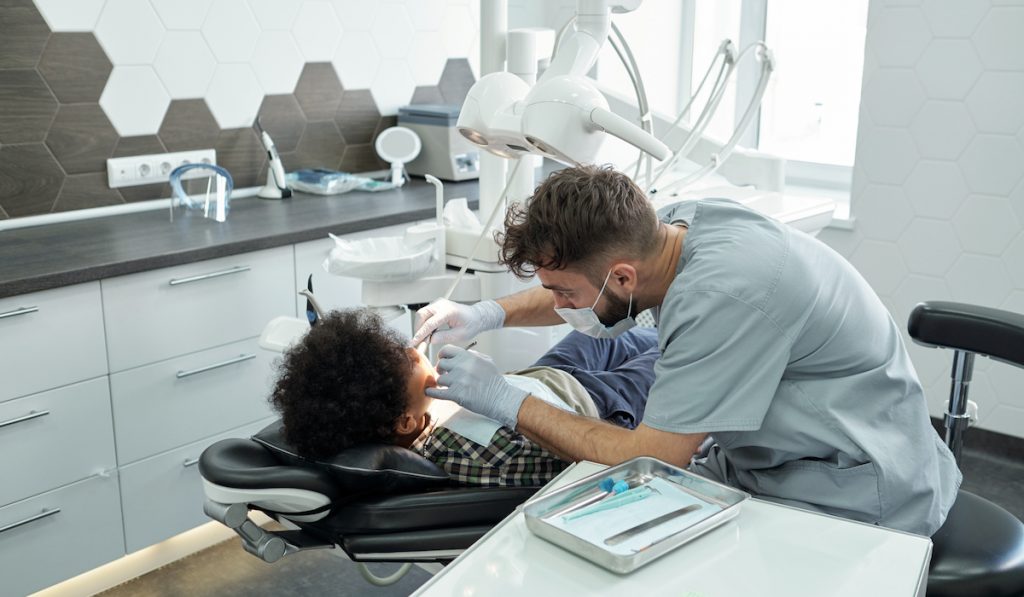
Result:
{"points": [[464, 321], [473, 381]]}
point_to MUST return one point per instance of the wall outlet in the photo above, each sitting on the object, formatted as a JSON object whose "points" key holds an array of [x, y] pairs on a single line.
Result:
{"points": [[155, 168]]}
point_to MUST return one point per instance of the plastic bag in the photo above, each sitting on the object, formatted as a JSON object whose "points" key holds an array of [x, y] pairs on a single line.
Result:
{"points": [[380, 259], [331, 182]]}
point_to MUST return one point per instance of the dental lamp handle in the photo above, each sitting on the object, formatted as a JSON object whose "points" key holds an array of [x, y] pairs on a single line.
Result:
{"points": [[617, 126]]}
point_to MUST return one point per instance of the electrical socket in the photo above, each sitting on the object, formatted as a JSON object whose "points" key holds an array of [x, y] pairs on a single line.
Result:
{"points": [[155, 168]]}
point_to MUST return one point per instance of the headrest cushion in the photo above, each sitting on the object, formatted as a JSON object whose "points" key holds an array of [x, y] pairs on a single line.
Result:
{"points": [[366, 467]]}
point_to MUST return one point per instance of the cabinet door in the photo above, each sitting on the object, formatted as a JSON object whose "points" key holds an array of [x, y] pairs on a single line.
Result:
{"points": [[163, 495], [337, 292], [171, 403], [54, 536], [53, 438], [160, 314], [51, 338]]}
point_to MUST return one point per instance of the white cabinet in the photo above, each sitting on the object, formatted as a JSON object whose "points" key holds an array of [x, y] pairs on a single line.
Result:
{"points": [[59, 534], [168, 404], [159, 314], [53, 438], [51, 338]]}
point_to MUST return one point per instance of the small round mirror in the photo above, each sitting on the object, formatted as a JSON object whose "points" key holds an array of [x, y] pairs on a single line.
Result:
{"points": [[398, 144]]}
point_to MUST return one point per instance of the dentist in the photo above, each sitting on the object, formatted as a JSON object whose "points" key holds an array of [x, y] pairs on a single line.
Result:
{"points": [[770, 341]]}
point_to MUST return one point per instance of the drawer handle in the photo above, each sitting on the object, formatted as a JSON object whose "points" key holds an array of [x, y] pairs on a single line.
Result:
{"points": [[39, 516], [227, 272], [31, 415], [240, 358], [21, 311], [190, 462]]}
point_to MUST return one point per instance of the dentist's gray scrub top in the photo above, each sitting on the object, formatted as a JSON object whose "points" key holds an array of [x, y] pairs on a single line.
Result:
{"points": [[775, 344]]}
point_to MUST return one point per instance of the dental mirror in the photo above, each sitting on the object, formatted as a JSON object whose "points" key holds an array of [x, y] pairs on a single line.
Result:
{"points": [[398, 146]]}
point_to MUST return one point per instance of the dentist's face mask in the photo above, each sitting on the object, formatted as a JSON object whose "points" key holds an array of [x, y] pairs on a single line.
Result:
{"points": [[587, 322]]}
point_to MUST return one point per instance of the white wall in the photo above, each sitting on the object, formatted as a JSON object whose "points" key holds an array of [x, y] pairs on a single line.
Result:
{"points": [[938, 185]]}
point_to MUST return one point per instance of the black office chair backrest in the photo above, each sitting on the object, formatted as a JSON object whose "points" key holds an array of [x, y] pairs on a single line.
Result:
{"points": [[982, 330]]}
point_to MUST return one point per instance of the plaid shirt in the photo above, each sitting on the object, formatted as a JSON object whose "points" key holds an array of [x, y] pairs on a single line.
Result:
{"points": [[510, 460]]}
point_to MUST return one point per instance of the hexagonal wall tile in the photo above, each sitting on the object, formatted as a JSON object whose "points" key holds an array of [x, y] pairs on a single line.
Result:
{"points": [[356, 15], [29, 179], [27, 106], [317, 31], [427, 94], [995, 102], [75, 67], [62, 15], [936, 189], [986, 224], [357, 116], [24, 34], [887, 155], [941, 81], [882, 212], [278, 60], [953, 19], [134, 100], [182, 14], [282, 118], [274, 15], [916, 289], [139, 145], [880, 264], [929, 247], [393, 86], [1014, 302], [428, 15], [356, 59], [459, 30], [318, 91], [898, 36], [942, 130], [1004, 419], [240, 152], [231, 30], [234, 96], [188, 125], [130, 32], [1017, 200], [320, 147], [185, 64], [1014, 260], [456, 80], [978, 279], [893, 96], [393, 36], [427, 59], [998, 40], [992, 164], [81, 138], [81, 191], [1006, 384]]}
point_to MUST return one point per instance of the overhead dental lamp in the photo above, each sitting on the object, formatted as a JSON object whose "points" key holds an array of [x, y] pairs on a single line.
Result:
{"points": [[563, 117]]}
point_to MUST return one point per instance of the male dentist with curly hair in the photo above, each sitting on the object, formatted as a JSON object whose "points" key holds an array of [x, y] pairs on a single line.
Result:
{"points": [[770, 341]]}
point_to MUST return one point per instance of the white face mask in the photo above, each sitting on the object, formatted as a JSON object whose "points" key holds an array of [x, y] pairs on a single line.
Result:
{"points": [[587, 322]]}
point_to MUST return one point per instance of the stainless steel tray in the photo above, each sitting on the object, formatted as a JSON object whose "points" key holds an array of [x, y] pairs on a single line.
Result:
{"points": [[545, 515]]}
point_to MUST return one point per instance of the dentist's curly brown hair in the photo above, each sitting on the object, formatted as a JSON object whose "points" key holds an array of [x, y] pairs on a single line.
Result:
{"points": [[343, 384]]}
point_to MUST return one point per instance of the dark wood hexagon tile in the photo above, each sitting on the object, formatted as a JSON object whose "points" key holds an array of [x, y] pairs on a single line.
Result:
{"points": [[318, 91], [241, 153], [138, 145], [283, 120], [26, 106], [188, 124], [81, 138], [456, 79], [320, 147], [82, 191], [75, 67], [23, 34], [357, 116], [30, 179]]}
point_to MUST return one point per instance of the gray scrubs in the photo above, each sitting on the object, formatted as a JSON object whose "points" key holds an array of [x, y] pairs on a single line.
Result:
{"points": [[776, 345]]}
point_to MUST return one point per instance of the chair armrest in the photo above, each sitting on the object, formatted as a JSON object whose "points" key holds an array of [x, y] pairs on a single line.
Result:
{"points": [[992, 332]]}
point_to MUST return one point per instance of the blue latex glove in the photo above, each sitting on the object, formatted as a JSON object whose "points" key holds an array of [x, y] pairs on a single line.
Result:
{"points": [[472, 380], [464, 322]]}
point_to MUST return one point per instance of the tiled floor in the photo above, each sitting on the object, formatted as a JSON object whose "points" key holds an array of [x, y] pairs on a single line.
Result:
{"points": [[225, 570]]}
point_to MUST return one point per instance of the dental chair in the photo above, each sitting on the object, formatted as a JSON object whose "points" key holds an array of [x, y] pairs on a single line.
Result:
{"points": [[378, 503], [980, 548]]}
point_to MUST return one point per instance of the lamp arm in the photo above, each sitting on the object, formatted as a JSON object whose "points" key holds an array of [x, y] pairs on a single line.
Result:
{"points": [[617, 126]]}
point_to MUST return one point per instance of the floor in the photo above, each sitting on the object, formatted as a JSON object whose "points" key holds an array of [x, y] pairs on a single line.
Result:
{"points": [[225, 570]]}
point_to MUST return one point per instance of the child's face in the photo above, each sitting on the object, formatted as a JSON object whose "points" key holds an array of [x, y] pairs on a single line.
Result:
{"points": [[423, 376]]}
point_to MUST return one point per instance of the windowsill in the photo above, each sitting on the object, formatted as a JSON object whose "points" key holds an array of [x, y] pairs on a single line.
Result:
{"points": [[841, 218]]}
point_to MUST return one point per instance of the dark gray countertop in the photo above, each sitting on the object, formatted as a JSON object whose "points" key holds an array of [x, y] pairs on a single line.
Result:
{"points": [[54, 255]]}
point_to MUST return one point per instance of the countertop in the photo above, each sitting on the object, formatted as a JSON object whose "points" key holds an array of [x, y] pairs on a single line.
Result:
{"points": [[61, 254]]}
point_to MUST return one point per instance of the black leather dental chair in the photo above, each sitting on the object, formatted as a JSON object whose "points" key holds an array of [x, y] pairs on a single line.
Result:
{"points": [[378, 503], [980, 548]]}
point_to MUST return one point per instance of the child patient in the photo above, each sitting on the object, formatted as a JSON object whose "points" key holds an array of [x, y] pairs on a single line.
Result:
{"points": [[352, 380]]}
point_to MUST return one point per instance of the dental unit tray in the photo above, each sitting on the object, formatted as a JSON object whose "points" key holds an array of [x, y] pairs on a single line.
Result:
{"points": [[663, 508]]}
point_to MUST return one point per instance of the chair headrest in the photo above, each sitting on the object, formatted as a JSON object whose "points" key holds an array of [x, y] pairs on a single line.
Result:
{"points": [[366, 467]]}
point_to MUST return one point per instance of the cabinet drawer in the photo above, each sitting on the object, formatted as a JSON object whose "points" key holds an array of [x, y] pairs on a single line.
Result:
{"points": [[49, 339], [163, 495], [172, 403], [54, 438], [63, 533], [160, 314]]}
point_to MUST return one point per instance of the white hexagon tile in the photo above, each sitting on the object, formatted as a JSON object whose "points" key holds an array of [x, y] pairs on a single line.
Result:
{"points": [[393, 36], [888, 155], [356, 60], [185, 64], [942, 129], [998, 40], [61, 15], [459, 30], [393, 86], [939, 80], [880, 263], [953, 19], [355, 15], [278, 62], [134, 100], [231, 30], [995, 102], [275, 15], [182, 15], [986, 224], [427, 57], [929, 247], [936, 189], [317, 31], [979, 279], [992, 164], [234, 96], [894, 96], [129, 31], [900, 35], [883, 212]]}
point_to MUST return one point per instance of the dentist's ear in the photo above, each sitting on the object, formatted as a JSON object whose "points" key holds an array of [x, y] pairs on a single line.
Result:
{"points": [[624, 276]]}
